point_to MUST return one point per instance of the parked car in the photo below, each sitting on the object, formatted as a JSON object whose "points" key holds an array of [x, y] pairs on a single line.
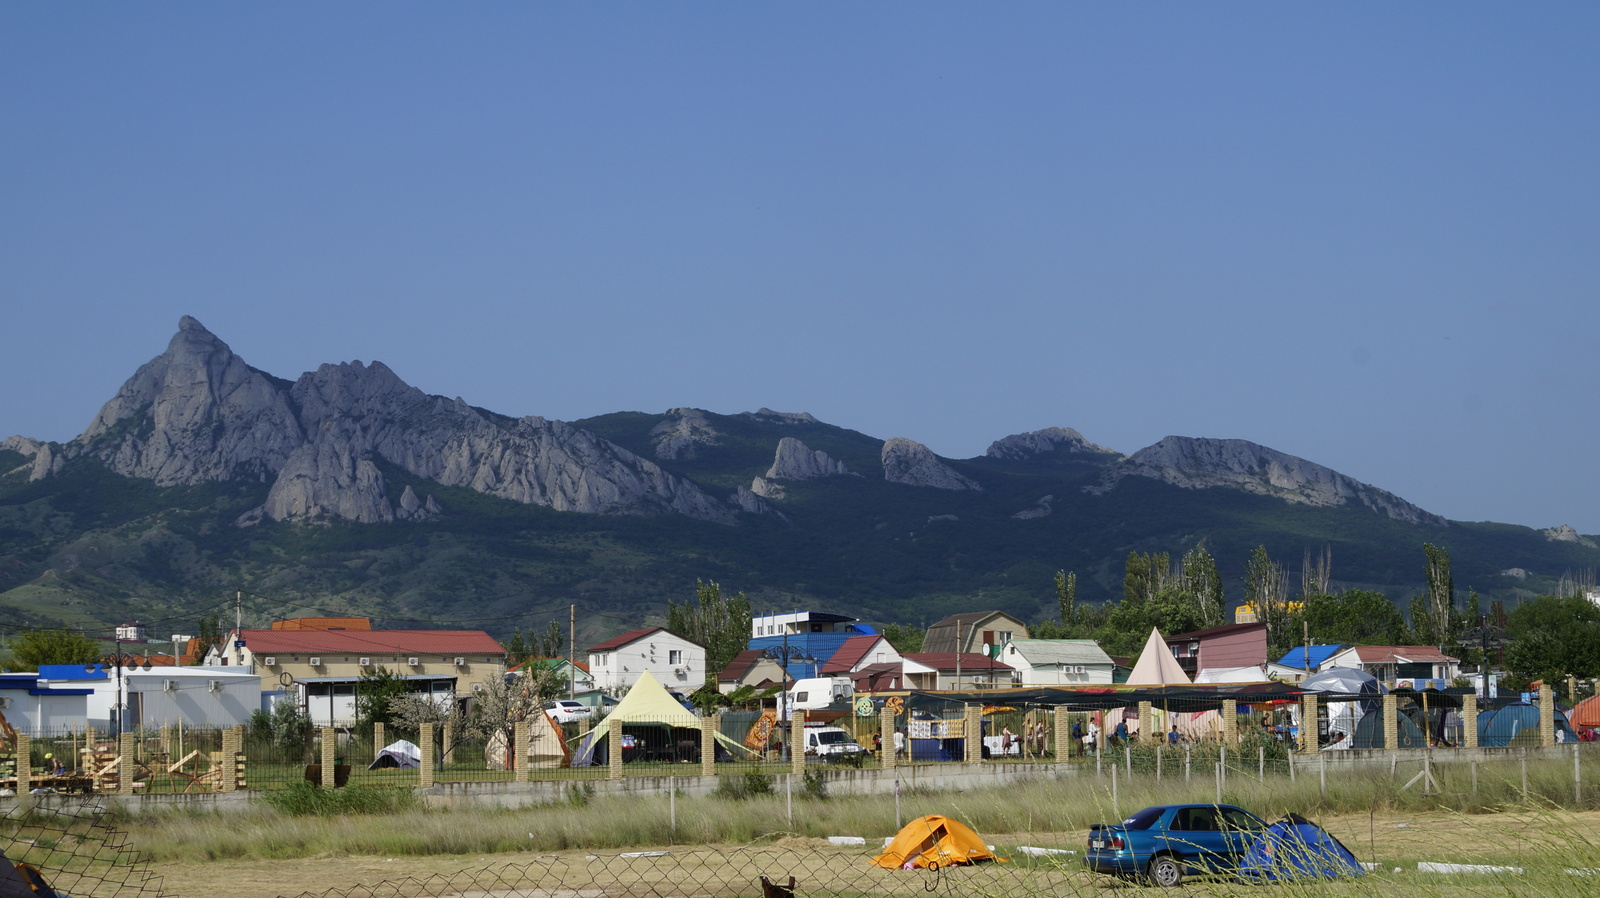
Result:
{"points": [[1165, 843], [566, 711], [831, 743]]}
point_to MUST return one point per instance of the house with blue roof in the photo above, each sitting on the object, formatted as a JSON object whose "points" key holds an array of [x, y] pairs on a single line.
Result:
{"points": [[34, 705], [1295, 658], [802, 641]]}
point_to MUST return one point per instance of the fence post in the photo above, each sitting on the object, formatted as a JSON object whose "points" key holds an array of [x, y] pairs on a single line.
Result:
{"points": [[972, 733], [1547, 716], [231, 743], [614, 751], [449, 742], [377, 739], [708, 743], [425, 779], [126, 767], [1391, 722], [1061, 736], [329, 745], [1308, 725], [1146, 723], [886, 756], [165, 735], [1577, 778], [517, 751], [1230, 722], [797, 742], [24, 764], [1186, 762], [1469, 721]]}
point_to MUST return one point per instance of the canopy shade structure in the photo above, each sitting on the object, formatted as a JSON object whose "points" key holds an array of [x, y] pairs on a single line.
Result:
{"points": [[648, 702]]}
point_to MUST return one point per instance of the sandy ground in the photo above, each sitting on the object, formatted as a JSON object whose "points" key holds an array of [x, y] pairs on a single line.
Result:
{"points": [[1390, 838]]}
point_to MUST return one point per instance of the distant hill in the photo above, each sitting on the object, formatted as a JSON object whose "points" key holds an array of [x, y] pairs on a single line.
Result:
{"points": [[347, 491]]}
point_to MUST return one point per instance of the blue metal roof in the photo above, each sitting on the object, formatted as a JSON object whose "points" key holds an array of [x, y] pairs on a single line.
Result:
{"points": [[1296, 657]]}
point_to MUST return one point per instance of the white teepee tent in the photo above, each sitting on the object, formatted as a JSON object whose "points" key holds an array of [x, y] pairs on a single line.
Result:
{"points": [[1156, 666]]}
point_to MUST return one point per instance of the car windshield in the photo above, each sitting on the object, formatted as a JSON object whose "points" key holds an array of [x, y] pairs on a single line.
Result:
{"points": [[832, 738], [1144, 819]]}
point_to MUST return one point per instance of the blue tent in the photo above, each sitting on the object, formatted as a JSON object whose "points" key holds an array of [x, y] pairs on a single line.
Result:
{"points": [[1296, 848], [1501, 727]]}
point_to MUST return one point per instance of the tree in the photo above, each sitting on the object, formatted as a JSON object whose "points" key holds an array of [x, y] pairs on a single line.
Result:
{"points": [[904, 637], [209, 635], [1266, 588], [287, 728], [1354, 617], [32, 648], [720, 624], [1554, 637], [1202, 584], [501, 705], [1439, 610], [1067, 596], [376, 694]]}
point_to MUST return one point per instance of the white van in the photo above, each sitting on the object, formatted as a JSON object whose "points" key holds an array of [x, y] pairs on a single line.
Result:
{"points": [[817, 693], [831, 743]]}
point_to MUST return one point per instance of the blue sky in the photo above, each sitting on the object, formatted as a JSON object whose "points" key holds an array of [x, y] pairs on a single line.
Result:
{"points": [[1365, 234]]}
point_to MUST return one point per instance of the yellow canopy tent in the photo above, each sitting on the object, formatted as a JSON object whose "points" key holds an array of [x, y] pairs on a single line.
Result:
{"points": [[648, 702], [932, 842]]}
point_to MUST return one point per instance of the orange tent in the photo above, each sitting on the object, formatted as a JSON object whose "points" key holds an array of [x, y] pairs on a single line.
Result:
{"points": [[932, 842], [1586, 713]]}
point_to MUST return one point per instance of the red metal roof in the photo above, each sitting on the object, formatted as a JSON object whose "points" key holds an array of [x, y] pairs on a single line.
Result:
{"points": [[1414, 654], [970, 661], [370, 642], [617, 642], [849, 654]]}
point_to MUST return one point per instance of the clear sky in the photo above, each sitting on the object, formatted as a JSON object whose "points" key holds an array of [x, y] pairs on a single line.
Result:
{"points": [[1365, 233]]}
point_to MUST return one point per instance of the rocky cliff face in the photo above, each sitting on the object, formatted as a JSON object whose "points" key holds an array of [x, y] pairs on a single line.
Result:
{"points": [[1206, 463], [1063, 440], [794, 460], [198, 413], [913, 464], [681, 434]]}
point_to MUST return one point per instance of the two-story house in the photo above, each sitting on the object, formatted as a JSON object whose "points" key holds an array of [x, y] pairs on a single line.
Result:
{"points": [[678, 663]]}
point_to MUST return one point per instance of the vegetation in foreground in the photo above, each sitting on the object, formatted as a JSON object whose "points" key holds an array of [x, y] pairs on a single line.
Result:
{"points": [[1049, 812]]}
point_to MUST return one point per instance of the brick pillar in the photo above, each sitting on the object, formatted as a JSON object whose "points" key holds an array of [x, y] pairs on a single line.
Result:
{"points": [[797, 742], [1308, 725], [378, 740], [330, 745], [24, 764], [886, 733], [228, 764], [973, 736], [425, 778], [1547, 716], [1230, 722], [1469, 721], [1061, 734], [165, 735], [1391, 722], [1147, 722], [126, 768], [614, 751], [449, 740], [517, 751], [708, 743]]}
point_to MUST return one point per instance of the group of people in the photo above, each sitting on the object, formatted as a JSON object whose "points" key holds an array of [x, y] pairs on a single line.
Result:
{"points": [[1033, 740]]}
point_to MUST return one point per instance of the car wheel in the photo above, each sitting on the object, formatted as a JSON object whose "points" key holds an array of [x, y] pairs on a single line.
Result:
{"points": [[1165, 871]]}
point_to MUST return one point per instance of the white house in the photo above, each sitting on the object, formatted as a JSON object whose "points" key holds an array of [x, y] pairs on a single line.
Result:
{"points": [[678, 663], [206, 698], [1411, 665], [1058, 662]]}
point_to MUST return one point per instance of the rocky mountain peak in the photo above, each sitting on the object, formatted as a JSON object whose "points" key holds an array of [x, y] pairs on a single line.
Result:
{"points": [[1020, 446], [682, 432], [913, 464], [1566, 534], [783, 417], [1194, 463], [794, 460]]}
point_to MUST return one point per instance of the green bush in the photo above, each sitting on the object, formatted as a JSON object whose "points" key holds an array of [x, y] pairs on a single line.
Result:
{"points": [[739, 788], [305, 800]]}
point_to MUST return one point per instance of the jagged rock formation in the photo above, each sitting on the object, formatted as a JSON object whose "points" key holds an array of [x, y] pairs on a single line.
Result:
{"points": [[767, 414], [1566, 534], [1205, 463], [1040, 509], [913, 464], [794, 460], [753, 502], [43, 459], [768, 489], [682, 433], [197, 413], [1051, 439]]}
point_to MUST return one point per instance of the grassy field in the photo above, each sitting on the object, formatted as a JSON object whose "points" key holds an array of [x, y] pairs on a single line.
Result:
{"points": [[292, 848]]}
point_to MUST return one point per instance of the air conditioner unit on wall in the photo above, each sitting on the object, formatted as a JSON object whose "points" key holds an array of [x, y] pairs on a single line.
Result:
{"points": [[315, 661], [414, 662], [461, 662], [270, 661], [215, 686], [477, 687], [169, 685], [366, 662]]}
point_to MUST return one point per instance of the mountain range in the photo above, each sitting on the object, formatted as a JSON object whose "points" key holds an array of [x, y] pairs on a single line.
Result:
{"points": [[349, 491]]}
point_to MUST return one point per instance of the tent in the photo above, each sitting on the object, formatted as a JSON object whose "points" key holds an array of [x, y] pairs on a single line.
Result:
{"points": [[1296, 848], [1156, 666], [1586, 713], [397, 754], [647, 702], [1369, 732], [932, 842], [1250, 674], [1343, 717], [1517, 724], [546, 747]]}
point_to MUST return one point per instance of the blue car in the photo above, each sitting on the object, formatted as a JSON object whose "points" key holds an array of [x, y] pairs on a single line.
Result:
{"points": [[1165, 843]]}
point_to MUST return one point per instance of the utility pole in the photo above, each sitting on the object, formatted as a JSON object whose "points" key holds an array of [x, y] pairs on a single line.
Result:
{"points": [[572, 651], [958, 655]]}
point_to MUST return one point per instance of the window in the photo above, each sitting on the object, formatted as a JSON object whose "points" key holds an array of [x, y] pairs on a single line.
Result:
{"points": [[675, 656]]}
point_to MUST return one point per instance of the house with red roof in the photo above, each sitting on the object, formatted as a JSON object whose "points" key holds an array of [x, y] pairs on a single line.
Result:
{"points": [[1397, 665], [677, 662], [320, 666], [954, 671]]}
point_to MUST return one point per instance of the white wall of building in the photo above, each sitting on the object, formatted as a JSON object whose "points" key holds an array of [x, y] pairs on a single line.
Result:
{"points": [[677, 663]]}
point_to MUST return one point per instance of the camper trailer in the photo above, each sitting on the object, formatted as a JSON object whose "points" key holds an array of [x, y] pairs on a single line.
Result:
{"points": [[818, 693]]}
